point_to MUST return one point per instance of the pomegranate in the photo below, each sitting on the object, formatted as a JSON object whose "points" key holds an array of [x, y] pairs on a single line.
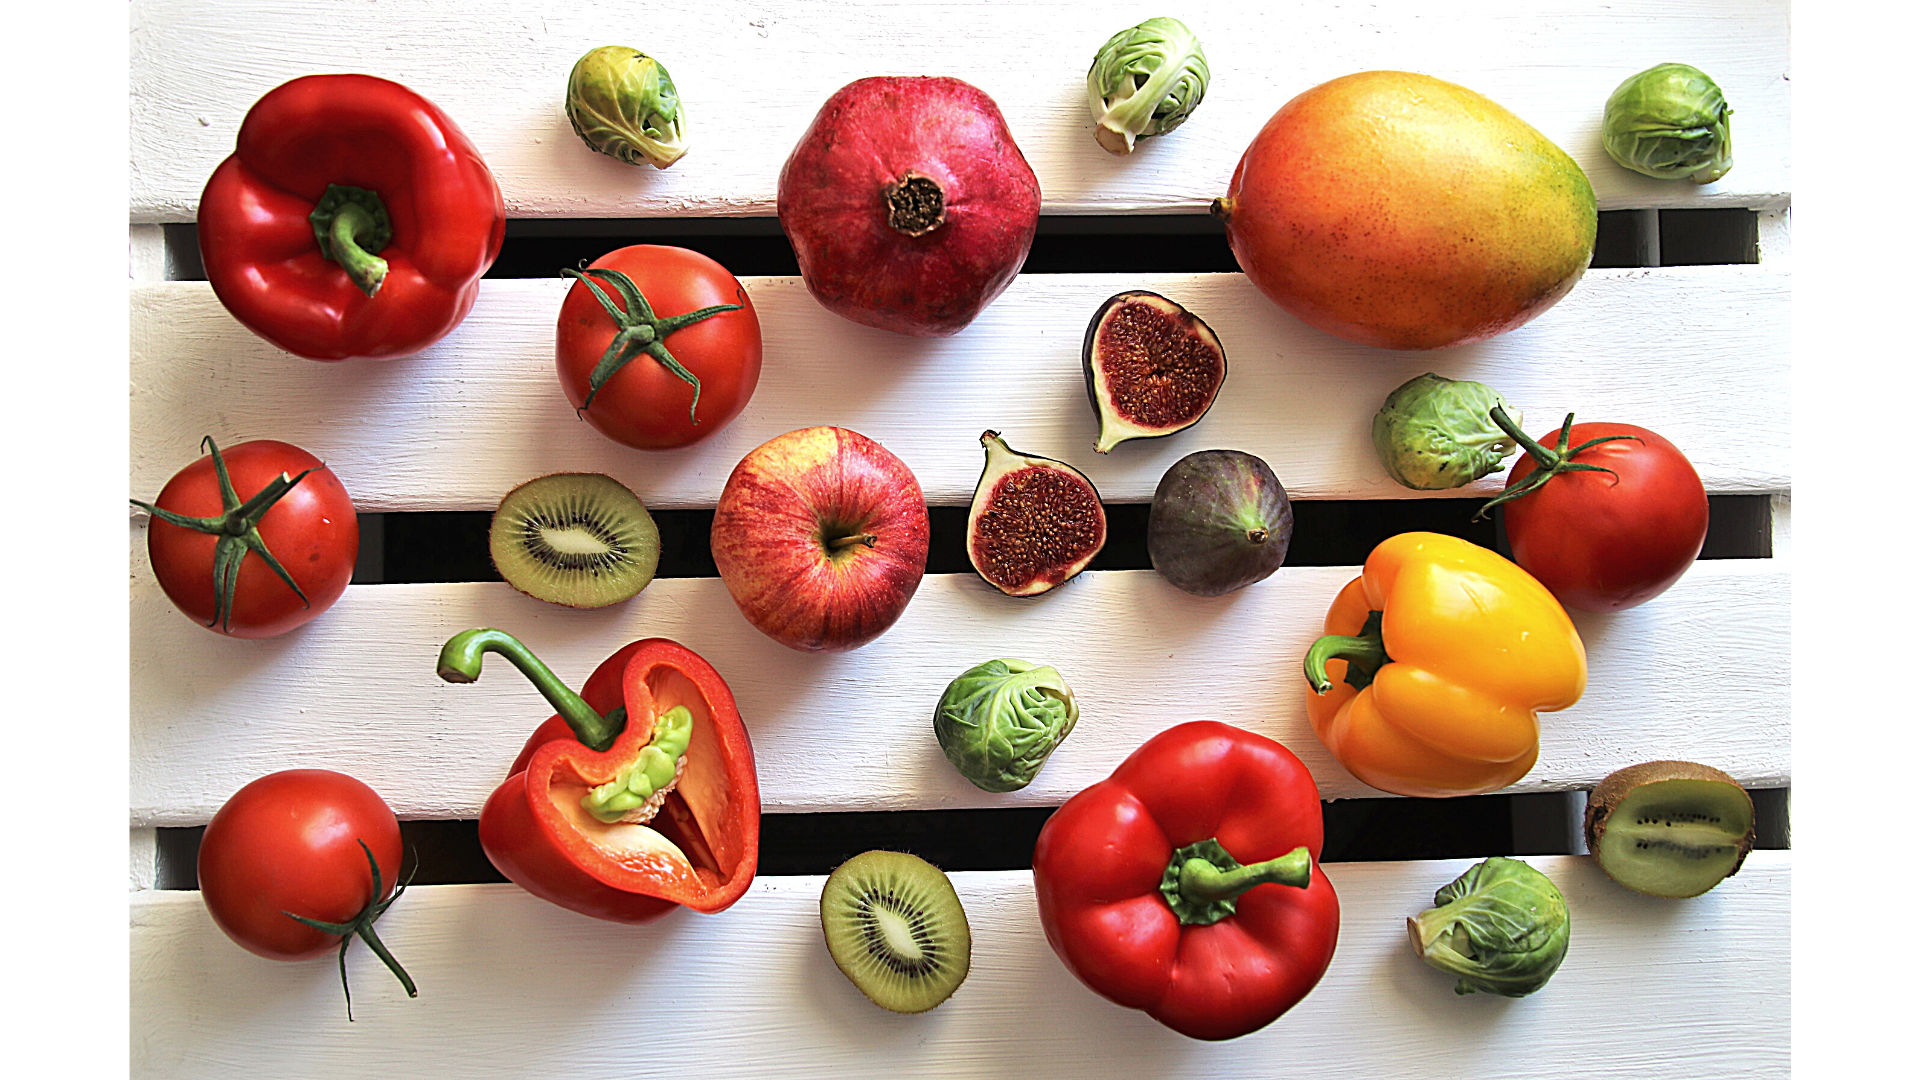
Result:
{"points": [[908, 204]]}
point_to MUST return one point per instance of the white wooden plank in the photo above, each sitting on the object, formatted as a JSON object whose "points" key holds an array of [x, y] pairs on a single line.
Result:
{"points": [[1699, 354], [147, 253], [1776, 237], [1699, 673], [1782, 506], [143, 859], [753, 74], [512, 986]]}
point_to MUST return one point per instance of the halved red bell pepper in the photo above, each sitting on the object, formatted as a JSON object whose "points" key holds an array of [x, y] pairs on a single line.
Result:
{"points": [[1188, 883], [558, 828], [353, 220]]}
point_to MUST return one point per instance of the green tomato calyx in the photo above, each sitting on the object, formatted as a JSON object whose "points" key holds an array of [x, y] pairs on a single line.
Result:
{"points": [[361, 926], [638, 790], [1203, 883], [638, 330], [239, 533], [1550, 462]]}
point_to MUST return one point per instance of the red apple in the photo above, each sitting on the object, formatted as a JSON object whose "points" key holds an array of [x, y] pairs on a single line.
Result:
{"points": [[821, 537]]}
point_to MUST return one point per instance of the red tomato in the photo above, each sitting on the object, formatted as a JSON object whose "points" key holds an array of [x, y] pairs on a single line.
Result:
{"points": [[289, 842], [1609, 541], [312, 530], [644, 404]]}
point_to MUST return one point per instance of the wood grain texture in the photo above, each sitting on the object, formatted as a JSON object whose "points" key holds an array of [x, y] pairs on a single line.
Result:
{"points": [[1699, 354], [1698, 673], [511, 986], [143, 859], [754, 72]]}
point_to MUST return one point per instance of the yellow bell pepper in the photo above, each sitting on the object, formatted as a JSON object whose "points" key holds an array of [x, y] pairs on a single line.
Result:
{"points": [[1437, 660]]}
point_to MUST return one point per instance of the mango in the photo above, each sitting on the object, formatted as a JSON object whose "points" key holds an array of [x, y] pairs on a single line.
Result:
{"points": [[1406, 212]]}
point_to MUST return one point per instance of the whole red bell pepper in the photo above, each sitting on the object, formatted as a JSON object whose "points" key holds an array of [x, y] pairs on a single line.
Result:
{"points": [[1188, 883], [353, 220], [582, 823]]}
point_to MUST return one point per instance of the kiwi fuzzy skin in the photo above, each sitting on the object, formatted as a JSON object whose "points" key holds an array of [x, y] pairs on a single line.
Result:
{"points": [[1607, 798]]}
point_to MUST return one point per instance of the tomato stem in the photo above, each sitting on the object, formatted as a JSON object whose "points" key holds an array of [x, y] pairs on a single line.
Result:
{"points": [[361, 926], [1551, 462], [460, 661], [239, 533], [638, 330]]}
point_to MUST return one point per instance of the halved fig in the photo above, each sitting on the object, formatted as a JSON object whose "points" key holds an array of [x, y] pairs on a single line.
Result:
{"points": [[1035, 522], [1670, 828], [1152, 367]]}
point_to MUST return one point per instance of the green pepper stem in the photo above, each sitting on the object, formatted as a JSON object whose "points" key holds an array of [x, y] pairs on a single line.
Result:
{"points": [[1365, 654], [351, 226], [1203, 881], [366, 269], [460, 663]]}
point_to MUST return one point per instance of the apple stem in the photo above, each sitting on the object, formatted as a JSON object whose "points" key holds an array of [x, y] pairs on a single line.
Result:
{"points": [[844, 542]]}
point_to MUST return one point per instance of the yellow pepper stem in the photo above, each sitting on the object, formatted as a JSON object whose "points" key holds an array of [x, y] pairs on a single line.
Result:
{"points": [[1365, 654]]}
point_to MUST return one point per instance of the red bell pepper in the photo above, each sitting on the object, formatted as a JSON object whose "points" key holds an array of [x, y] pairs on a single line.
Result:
{"points": [[353, 220], [1188, 883], [578, 823]]}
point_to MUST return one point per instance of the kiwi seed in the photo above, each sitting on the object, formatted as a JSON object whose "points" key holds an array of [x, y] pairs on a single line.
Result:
{"points": [[577, 539], [1670, 828], [895, 927]]}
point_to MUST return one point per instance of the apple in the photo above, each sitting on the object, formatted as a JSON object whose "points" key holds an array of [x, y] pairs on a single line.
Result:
{"points": [[821, 537]]}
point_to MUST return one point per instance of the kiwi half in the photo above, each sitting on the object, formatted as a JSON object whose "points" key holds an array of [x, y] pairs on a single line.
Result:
{"points": [[1670, 828], [896, 929], [577, 539]]}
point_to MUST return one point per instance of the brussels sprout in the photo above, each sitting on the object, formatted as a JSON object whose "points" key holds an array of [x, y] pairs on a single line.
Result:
{"points": [[1501, 927], [623, 104], [1670, 122], [1436, 433], [1000, 720], [1145, 81]]}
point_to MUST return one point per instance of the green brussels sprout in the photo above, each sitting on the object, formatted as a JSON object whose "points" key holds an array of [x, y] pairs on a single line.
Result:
{"points": [[1145, 81], [622, 103], [1000, 720], [1436, 433], [1670, 122], [1501, 927]]}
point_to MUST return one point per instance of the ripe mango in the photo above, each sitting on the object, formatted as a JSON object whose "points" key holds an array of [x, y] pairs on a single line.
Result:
{"points": [[1406, 212]]}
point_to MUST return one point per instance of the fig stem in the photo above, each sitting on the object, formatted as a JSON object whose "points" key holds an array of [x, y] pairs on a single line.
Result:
{"points": [[1256, 536], [1551, 462]]}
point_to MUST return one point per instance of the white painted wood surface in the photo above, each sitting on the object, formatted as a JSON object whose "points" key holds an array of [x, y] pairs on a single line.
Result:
{"points": [[1699, 354], [511, 986], [754, 72], [1695, 674]]}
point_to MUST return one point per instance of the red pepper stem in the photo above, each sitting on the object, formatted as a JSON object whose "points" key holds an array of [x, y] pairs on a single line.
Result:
{"points": [[367, 270], [1203, 881], [1365, 654], [351, 226], [460, 663]]}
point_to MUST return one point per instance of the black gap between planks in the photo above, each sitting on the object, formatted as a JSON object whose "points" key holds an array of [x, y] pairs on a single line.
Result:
{"points": [[1132, 244], [451, 546], [1357, 830]]}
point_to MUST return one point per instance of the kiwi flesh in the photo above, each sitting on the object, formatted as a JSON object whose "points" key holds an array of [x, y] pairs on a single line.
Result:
{"points": [[1670, 828], [581, 540], [896, 929]]}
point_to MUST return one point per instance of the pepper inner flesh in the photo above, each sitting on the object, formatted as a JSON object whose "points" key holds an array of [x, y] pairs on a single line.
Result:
{"points": [[684, 833]]}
